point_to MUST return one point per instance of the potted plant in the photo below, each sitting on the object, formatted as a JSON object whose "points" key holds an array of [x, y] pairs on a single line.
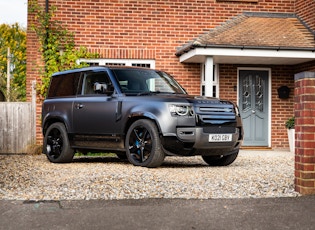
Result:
{"points": [[290, 125]]}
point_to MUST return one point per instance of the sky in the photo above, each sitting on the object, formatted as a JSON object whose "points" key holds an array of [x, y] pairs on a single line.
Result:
{"points": [[12, 11]]}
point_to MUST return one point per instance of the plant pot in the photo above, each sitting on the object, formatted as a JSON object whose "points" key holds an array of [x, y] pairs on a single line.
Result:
{"points": [[291, 137]]}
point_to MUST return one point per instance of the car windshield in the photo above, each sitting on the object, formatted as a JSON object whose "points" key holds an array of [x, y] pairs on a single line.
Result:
{"points": [[146, 81]]}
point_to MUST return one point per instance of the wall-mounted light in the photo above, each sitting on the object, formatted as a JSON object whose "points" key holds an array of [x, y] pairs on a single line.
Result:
{"points": [[284, 92]]}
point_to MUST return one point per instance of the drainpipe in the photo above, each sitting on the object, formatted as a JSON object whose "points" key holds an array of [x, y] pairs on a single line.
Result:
{"points": [[46, 37], [47, 6]]}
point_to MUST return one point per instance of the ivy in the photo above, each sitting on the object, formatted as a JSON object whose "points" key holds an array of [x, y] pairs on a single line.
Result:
{"points": [[57, 45]]}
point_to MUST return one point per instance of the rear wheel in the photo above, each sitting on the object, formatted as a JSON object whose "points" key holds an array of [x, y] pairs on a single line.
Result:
{"points": [[56, 144], [143, 145], [220, 160]]}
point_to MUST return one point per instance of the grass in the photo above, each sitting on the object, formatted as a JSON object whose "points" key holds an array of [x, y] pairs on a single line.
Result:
{"points": [[38, 150], [100, 154]]}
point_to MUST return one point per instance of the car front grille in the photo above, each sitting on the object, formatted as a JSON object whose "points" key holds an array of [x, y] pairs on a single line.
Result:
{"points": [[215, 113]]}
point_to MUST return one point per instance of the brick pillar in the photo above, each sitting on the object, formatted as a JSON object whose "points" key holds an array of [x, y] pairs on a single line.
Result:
{"points": [[305, 132]]}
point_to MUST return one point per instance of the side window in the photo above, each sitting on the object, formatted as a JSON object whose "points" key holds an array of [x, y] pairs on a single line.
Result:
{"points": [[97, 83], [64, 85]]}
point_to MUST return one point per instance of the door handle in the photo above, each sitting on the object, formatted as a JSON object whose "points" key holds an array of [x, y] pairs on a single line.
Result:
{"points": [[79, 106]]}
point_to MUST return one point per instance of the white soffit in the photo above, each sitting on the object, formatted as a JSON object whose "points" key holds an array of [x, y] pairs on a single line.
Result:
{"points": [[248, 56]]}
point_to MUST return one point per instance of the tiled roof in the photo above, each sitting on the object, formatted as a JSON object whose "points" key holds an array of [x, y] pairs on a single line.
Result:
{"points": [[261, 30]]}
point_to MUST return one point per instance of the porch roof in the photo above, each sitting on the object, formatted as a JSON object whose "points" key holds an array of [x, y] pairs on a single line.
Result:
{"points": [[254, 38]]}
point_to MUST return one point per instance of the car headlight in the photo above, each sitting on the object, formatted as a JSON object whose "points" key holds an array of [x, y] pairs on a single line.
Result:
{"points": [[181, 110]]}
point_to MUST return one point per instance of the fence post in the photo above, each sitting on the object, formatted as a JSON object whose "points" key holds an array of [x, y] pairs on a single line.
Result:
{"points": [[8, 75], [34, 111]]}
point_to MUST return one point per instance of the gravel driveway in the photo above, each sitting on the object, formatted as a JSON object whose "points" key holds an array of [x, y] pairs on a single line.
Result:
{"points": [[253, 174]]}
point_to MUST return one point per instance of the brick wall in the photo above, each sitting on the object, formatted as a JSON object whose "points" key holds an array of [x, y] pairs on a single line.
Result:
{"points": [[282, 109], [305, 9], [34, 65], [308, 66], [304, 133], [121, 29]]}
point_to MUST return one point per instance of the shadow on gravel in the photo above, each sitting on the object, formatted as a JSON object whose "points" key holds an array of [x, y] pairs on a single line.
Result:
{"points": [[98, 160], [183, 165], [180, 162]]}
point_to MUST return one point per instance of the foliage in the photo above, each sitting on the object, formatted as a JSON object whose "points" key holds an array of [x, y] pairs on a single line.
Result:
{"points": [[34, 149], [290, 123], [14, 37], [57, 45]]}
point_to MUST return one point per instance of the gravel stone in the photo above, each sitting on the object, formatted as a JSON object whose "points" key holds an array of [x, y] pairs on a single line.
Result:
{"points": [[254, 174]]}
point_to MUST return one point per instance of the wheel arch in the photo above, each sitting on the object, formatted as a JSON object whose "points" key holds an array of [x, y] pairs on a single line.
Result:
{"points": [[137, 116], [49, 121]]}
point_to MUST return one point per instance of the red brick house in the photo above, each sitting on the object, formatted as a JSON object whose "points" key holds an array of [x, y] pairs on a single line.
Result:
{"points": [[242, 50]]}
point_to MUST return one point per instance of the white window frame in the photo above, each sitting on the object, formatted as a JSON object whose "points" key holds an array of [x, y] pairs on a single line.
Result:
{"points": [[126, 62]]}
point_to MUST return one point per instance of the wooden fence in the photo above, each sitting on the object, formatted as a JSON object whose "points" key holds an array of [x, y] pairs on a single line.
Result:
{"points": [[18, 125]]}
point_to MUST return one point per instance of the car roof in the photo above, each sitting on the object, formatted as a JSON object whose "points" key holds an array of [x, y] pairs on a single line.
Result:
{"points": [[97, 68]]}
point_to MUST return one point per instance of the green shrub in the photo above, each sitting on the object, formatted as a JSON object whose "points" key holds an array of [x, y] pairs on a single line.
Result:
{"points": [[290, 123]]}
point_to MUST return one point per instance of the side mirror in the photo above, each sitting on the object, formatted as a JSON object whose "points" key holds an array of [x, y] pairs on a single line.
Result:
{"points": [[100, 88], [103, 88]]}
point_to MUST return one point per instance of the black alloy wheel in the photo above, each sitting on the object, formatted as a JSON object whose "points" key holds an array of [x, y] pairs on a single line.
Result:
{"points": [[143, 145], [56, 144]]}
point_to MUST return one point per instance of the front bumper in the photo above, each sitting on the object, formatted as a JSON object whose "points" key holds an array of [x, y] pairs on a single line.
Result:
{"points": [[195, 141]]}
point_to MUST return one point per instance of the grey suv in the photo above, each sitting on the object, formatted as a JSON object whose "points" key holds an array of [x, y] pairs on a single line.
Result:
{"points": [[139, 114]]}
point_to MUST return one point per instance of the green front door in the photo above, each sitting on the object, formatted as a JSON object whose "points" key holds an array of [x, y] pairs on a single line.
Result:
{"points": [[253, 103]]}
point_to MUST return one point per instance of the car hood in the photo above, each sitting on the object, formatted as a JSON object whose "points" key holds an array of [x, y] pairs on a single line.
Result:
{"points": [[194, 99]]}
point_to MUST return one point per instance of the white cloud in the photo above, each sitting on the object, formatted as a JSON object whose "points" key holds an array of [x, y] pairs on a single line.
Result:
{"points": [[12, 11]]}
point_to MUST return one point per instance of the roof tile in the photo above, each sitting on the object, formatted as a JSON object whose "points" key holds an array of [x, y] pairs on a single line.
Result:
{"points": [[258, 30]]}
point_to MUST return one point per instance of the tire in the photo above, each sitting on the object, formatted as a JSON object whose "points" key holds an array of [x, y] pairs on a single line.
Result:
{"points": [[220, 160], [143, 144], [56, 144]]}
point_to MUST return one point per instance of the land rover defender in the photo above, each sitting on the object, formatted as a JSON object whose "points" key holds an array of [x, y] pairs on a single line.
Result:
{"points": [[139, 114]]}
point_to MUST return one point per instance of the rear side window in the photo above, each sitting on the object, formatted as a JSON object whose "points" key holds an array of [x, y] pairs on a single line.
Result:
{"points": [[64, 85]]}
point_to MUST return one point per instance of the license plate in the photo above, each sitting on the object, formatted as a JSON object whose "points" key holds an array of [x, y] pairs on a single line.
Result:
{"points": [[220, 137]]}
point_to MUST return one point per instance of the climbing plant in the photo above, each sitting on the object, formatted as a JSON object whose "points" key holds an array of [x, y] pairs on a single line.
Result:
{"points": [[57, 45]]}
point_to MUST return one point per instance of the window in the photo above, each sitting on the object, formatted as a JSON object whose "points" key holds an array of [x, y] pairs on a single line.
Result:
{"points": [[115, 64], [120, 62], [64, 85], [141, 65], [96, 83]]}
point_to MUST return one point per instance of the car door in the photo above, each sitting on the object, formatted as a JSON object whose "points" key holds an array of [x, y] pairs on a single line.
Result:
{"points": [[94, 111]]}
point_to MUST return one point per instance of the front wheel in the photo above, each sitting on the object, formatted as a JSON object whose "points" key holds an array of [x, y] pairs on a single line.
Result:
{"points": [[220, 160], [56, 144], [143, 145]]}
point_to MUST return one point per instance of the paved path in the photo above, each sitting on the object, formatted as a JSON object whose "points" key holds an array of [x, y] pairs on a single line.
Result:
{"points": [[268, 213]]}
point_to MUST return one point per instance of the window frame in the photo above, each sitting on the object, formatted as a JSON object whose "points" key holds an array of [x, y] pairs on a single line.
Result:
{"points": [[123, 62]]}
